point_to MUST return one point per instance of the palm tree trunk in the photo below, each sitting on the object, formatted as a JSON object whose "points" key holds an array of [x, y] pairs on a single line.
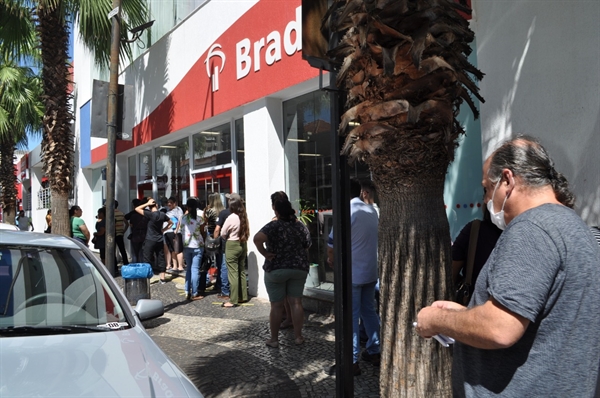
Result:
{"points": [[58, 142], [8, 181], [415, 270]]}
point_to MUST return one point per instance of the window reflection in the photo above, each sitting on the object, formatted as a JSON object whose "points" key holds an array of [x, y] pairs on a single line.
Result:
{"points": [[308, 170], [146, 165], [212, 147], [172, 170]]}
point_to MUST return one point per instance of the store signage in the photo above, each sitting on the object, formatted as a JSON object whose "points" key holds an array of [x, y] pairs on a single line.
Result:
{"points": [[213, 70], [249, 56], [245, 58]]}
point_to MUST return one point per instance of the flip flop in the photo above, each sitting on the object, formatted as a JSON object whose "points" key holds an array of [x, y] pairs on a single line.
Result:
{"points": [[229, 306]]}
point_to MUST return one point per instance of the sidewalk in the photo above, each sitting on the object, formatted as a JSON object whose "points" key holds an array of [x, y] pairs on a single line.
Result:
{"points": [[223, 350]]}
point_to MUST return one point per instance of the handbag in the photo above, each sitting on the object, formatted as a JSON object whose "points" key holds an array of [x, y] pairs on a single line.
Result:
{"points": [[464, 290], [207, 262], [212, 244]]}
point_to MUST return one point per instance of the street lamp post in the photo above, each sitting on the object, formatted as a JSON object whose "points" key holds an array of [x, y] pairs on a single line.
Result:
{"points": [[111, 135], [111, 129]]}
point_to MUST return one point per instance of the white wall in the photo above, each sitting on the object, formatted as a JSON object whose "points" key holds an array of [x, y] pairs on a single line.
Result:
{"points": [[542, 66], [264, 163]]}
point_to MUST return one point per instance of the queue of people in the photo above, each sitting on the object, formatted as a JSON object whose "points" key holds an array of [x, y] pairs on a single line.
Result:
{"points": [[533, 267]]}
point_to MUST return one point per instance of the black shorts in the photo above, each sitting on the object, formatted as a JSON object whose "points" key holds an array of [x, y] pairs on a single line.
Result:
{"points": [[174, 242]]}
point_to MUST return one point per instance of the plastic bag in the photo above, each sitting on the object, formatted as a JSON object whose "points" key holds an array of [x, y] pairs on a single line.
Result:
{"points": [[136, 271]]}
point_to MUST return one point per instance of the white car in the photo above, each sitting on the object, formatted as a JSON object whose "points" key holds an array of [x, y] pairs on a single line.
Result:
{"points": [[67, 330], [10, 227]]}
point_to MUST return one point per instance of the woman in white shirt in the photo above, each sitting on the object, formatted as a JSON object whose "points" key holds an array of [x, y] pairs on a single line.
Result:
{"points": [[192, 229], [236, 231]]}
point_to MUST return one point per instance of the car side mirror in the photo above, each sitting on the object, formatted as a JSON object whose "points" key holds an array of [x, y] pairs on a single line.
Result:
{"points": [[148, 309]]}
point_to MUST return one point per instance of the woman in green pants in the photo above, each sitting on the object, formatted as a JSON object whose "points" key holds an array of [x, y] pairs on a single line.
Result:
{"points": [[236, 231]]}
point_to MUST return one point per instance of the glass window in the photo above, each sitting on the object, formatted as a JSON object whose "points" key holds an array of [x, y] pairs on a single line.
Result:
{"points": [[146, 165], [241, 167], [307, 138], [172, 170], [68, 290], [212, 147], [132, 185]]}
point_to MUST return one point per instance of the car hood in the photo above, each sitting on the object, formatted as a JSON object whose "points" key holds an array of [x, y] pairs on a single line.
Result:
{"points": [[124, 363]]}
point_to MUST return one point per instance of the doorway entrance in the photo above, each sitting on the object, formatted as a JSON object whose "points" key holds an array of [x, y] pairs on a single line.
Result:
{"points": [[145, 190], [212, 181]]}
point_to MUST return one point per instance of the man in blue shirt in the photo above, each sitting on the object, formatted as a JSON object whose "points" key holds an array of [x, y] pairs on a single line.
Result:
{"points": [[364, 224]]}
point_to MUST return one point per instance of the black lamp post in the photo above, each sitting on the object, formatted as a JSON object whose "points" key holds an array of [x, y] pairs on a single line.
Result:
{"points": [[111, 129]]}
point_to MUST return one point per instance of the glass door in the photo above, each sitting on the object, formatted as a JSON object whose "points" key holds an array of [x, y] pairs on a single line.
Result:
{"points": [[212, 181]]}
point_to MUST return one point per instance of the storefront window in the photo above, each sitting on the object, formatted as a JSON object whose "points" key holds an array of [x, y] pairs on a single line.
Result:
{"points": [[308, 170], [212, 147], [146, 165], [241, 167], [172, 170], [132, 186]]}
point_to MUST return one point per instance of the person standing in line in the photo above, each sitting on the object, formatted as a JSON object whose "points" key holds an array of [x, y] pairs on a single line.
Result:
{"points": [[236, 232], [99, 239], [287, 318], [486, 241], [173, 243], [79, 230], [223, 215], [48, 229], [139, 226], [286, 267], [192, 229], [153, 244], [211, 217], [368, 192], [121, 226], [530, 328], [364, 225], [24, 222]]}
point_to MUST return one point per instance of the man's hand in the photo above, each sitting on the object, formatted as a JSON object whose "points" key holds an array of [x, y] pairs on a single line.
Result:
{"points": [[427, 318]]}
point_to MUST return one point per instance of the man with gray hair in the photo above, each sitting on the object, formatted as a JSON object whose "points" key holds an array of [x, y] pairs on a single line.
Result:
{"points": [[531, 328]]}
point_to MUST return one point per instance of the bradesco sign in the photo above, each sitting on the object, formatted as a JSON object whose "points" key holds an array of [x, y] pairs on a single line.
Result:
{"points": [[251, 61], [258, 54]]}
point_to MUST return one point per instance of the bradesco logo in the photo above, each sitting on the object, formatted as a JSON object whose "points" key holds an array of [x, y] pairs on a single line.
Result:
{"points": [[248, 55]]}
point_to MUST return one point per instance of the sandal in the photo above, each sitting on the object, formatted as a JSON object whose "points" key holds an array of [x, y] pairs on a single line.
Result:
{"points": [[197, 297], [231, 305], [272, 344]]}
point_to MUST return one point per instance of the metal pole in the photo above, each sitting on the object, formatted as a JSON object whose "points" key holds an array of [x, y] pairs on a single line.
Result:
{"points": [[111, 134]]}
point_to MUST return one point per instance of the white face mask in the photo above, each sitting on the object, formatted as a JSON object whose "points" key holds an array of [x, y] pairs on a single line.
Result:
{"points": [[497, 218]]}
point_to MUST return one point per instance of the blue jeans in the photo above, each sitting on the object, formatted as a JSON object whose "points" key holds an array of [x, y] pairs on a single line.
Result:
{"points": [[363, 307], [224, 277], [193, 258]]}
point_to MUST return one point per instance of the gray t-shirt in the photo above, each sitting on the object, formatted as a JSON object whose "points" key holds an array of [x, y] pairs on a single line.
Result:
{"points": [[546, 268]]}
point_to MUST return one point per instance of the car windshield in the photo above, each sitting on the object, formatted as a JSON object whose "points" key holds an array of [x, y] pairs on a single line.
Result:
{"points": [[56, 290]]}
